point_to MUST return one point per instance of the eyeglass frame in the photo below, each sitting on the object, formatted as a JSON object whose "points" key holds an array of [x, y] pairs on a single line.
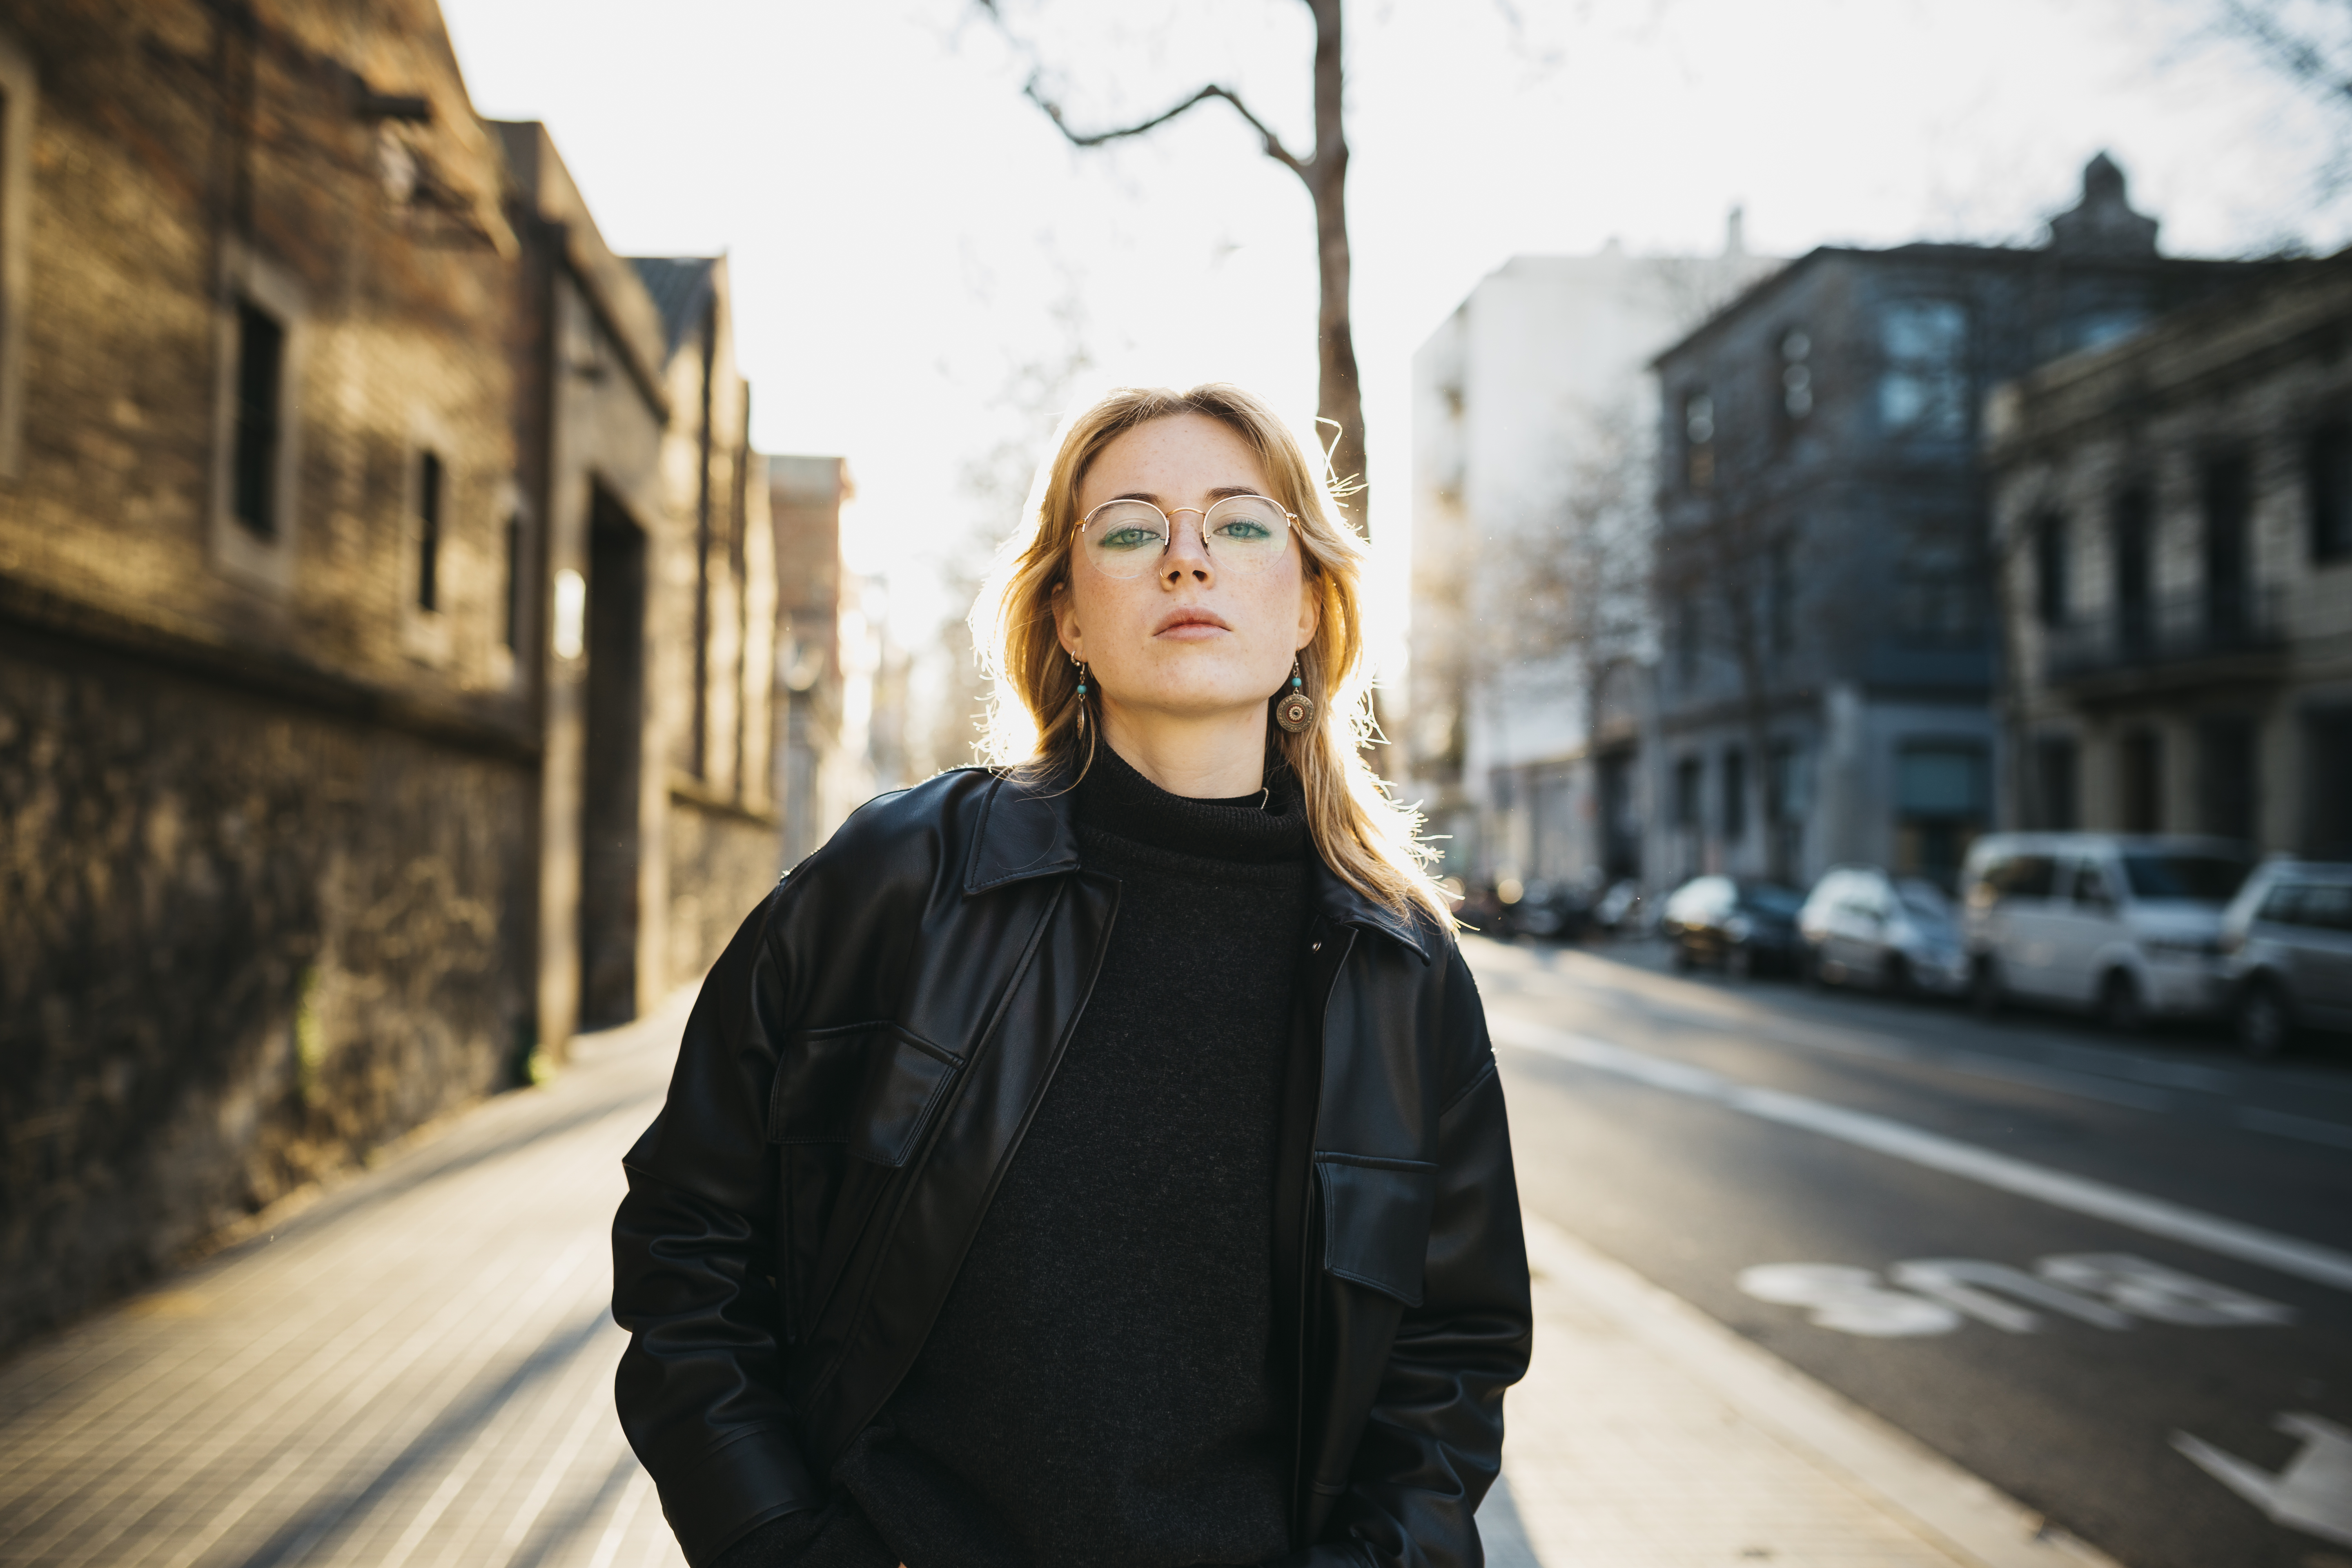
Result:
{"points": [[1290, 520]]}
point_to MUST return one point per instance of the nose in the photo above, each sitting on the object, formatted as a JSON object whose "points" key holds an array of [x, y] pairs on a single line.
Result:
{"points": [[1187, 555]]}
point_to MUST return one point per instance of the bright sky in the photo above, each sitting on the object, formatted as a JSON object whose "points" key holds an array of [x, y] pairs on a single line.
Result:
{"points": [[907, 233]]}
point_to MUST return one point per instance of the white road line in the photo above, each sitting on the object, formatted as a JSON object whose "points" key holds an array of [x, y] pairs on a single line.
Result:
{"points": [[2308, 1127], [1901, 1141]]}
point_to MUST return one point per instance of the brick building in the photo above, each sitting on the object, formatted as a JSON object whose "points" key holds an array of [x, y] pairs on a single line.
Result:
{"points": [[2173, 516], [709, 639], [319, 400]]}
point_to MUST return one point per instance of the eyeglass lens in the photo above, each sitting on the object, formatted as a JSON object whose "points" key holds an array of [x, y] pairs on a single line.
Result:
{"points": [[1240, 533]]}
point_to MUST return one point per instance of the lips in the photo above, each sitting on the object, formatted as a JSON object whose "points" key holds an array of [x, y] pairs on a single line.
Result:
{"points": [[1178, 620]]}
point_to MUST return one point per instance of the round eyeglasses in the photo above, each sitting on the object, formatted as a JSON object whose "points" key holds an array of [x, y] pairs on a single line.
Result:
{"points": [[1241, 534]]}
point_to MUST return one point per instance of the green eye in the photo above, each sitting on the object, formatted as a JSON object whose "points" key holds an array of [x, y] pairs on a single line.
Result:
{"points": [[1244, 531], [1130, 537]]}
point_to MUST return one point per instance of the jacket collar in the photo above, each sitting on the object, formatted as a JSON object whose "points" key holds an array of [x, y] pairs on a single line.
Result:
{"points": [[1026, 830]]}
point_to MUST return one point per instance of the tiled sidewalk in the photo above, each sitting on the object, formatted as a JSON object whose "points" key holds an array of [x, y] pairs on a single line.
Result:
{"points": [[417, 1370]]}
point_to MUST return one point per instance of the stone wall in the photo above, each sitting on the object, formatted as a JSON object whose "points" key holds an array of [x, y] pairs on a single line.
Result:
{"points": [[266, 788], [722, 862], [242, 943]]}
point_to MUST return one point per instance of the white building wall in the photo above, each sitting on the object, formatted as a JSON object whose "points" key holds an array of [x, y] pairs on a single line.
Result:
{"points": [[1516, 397]]}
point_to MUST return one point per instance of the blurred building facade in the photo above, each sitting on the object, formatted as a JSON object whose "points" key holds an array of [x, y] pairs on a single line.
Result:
{"points": [[2173, 519], [1532, 639], [807, 499], [706, 813], [1826, 681], [370, 543]]}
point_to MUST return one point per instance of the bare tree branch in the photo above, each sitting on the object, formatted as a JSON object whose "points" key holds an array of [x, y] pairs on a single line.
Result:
{"points": [[1274, 147]]}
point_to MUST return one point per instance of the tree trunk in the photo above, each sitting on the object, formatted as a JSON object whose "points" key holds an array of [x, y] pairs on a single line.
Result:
{"points": [[1339, 396]]}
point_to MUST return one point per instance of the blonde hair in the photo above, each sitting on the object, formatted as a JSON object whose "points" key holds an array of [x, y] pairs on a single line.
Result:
{"points": [[1369, 839]]}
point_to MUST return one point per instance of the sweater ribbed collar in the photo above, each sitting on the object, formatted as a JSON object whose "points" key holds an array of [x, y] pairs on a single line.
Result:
{"points": [[1115, 799]]}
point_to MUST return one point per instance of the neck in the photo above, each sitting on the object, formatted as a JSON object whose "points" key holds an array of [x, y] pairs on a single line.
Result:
{"points": [[1214, 756]]}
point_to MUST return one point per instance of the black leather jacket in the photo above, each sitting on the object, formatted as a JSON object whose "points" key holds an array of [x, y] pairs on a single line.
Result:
{"points": [[856, 1077]]}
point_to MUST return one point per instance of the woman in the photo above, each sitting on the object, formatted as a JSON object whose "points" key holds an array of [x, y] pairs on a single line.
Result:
{"points": [[1098, 1159]]}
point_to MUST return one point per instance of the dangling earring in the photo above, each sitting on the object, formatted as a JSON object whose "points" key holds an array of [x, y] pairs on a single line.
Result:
{"points": [[1294, 710], [1082, 692]]}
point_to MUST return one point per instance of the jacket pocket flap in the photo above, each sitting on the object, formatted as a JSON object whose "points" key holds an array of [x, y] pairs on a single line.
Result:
{"points": [[1376, 1221], [870, 1087]]}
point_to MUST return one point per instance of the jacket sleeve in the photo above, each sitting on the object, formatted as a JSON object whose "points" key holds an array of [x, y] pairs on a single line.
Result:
{"points": [[700, 1386], [1433, 1442]]}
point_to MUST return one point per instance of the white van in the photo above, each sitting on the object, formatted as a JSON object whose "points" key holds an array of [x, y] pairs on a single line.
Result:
{"points": [[2127, 926]]}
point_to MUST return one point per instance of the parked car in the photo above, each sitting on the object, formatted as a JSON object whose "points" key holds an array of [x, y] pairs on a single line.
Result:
{"points": [[2123, 926], [1623, 910], [2287, 952], [1862, 927], [1740, 925], [1543, 908]]}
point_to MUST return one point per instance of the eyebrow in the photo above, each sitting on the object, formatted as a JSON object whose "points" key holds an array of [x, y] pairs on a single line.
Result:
{"points": [[1218, 493]]}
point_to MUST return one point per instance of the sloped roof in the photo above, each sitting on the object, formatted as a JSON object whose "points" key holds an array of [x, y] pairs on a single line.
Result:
{"points": [[679, 286]]}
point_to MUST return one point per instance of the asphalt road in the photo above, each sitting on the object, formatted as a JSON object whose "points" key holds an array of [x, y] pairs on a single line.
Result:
{"points": [[2114, 1278]]}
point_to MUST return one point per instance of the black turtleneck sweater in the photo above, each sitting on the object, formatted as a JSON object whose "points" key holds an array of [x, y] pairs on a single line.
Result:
{"points": [[1098, 1389]]}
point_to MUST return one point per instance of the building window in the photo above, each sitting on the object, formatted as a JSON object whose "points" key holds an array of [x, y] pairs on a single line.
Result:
{"points": [[258, 420], [1499, 790], [1787, 800], [2226, 791], [2229, 497], [2102, 327], [2327, 490], [1936, 598], [513, 629], [1939, 802], [429, 487], [1686, 632], [1690, 775], [2134, 612], [2142, 780], [2051, 593], [1698, 440], [1780, 586], [1734, 795], [1924, 387], [2328, 783], [1792, 378], [2051, 791], [254, 522]]}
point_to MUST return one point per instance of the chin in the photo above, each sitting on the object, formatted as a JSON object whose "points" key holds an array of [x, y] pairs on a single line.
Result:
{"points": [[1204, 699]]}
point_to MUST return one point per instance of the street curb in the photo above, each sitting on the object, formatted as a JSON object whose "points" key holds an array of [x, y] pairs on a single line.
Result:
{"points": [[1887, 1467]]}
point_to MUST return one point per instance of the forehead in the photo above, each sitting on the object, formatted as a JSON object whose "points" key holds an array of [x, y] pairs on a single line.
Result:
{"points": [[1175, 460]]}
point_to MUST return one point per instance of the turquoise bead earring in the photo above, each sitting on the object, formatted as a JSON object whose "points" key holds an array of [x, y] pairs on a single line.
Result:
{"points": [[1082, 693], [1294, 710]]}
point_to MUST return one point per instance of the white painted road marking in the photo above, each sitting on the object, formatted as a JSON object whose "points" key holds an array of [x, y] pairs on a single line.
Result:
{"points": [[2313, 1494], [2161, 1295], [2104, 1290], [1933, 1150], [1850, 1300], [1969, 1285]]}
